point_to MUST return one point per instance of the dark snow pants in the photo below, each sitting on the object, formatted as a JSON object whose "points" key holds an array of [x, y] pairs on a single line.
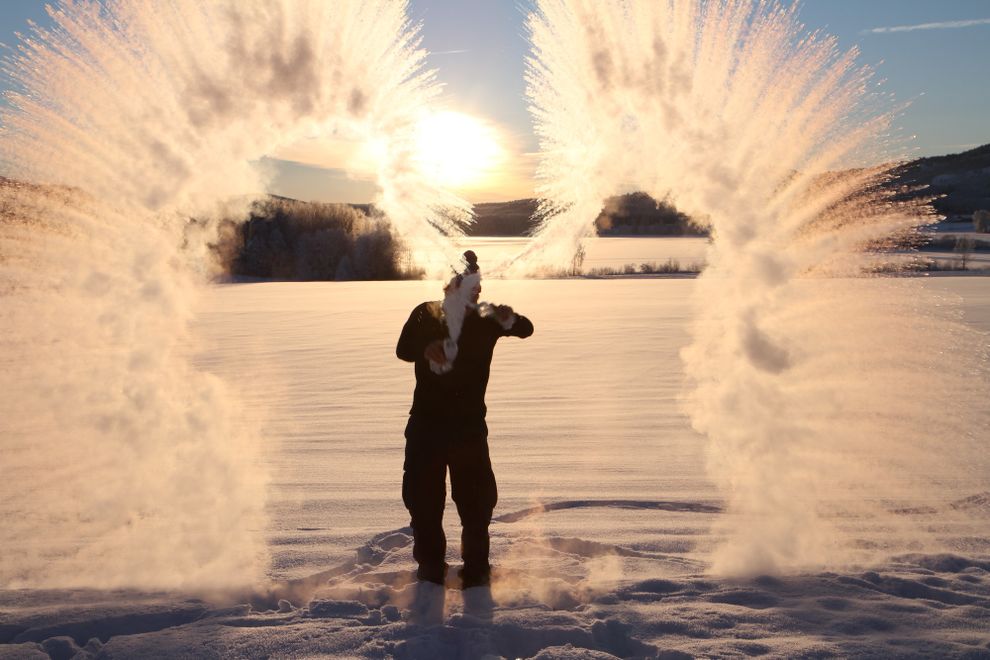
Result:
{"points": [[432, 447]]}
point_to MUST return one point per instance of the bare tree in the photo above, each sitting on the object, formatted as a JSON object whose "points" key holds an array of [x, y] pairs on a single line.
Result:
{"points": [[964, 248]]}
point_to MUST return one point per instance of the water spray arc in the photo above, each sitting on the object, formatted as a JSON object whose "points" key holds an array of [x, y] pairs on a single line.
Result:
{"points": [[814, 392], [124, 464]]}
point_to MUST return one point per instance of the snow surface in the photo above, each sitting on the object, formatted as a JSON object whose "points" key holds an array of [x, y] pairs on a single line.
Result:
{"points": [[604, 523]]}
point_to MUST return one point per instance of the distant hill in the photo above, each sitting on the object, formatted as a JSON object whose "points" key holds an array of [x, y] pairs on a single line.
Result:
{"points": [[622, 215], [513, 218], [962, 181]]}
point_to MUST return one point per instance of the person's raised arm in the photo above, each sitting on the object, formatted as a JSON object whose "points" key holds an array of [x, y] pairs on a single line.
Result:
{"points": [[513, 325], [522, 328]]}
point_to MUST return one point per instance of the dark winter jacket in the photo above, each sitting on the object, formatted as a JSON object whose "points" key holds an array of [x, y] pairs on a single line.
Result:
{"points": [[460, 393]]}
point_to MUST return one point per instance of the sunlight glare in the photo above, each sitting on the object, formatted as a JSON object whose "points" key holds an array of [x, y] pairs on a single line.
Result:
{"points": [[457, 150]]}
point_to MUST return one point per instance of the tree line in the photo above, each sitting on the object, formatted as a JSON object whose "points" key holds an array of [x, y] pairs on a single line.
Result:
{"points": [[285, 239]]}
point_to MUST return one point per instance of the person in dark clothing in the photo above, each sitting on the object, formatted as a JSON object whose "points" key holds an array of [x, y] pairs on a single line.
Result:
{"points": [[451, 344]]}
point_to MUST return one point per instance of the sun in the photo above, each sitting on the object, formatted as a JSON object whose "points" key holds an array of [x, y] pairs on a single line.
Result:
{"points": [[457, 150]]}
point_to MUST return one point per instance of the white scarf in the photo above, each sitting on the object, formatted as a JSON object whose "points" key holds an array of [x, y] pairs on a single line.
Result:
{"points": [[456, 302]]}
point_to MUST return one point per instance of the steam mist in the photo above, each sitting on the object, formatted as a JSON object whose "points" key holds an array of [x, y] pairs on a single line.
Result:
{"points": [[822, 398], [123, 464], [825, 397]]}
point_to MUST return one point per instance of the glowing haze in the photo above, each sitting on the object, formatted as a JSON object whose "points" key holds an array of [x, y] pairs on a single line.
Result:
{"points": [[817, 390], [818, 395], [124, 464], [458, 150]]}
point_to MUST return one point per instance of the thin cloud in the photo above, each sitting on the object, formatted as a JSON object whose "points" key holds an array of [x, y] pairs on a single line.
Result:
{"points": [[944, 25], [449, 52]]}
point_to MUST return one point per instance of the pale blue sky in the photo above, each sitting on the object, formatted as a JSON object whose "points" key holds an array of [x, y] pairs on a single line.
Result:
{"points": [[479, 46], [944, 72]]}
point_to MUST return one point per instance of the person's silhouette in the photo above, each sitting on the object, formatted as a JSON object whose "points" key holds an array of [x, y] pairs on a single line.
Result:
{"points": [[451, 343]]}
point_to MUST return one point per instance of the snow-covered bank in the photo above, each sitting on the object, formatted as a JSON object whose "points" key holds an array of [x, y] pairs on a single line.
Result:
{"points": [[605, 526], [912, 606], [600, 252]]}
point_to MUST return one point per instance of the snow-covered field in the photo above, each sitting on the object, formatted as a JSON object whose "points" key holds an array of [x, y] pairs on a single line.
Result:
{"points": [[604, 524]]}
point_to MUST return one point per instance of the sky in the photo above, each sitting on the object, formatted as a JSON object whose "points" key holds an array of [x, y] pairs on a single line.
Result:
{"points": [[931, 53]]}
